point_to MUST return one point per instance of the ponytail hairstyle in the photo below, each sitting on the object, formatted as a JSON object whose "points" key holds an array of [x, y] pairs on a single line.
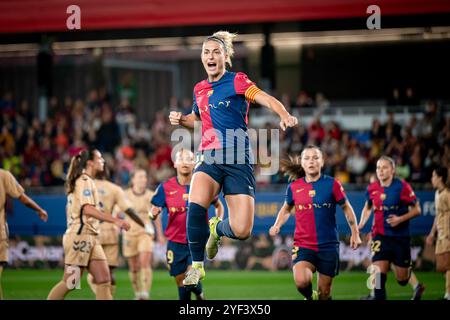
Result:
{"points": [[388, 159], [77, 165], [292, 168], [225, 38]]}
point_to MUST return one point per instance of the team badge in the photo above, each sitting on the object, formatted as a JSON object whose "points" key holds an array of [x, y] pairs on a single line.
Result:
{"points": [[86, 192], [185, 196], [312, 193], [383, 196], [210, 92]]}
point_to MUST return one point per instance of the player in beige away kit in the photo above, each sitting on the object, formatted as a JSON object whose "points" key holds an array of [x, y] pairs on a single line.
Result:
{"points": [[82, 247], [441, 226], [10, 187], [111, 196], [138, 242]]}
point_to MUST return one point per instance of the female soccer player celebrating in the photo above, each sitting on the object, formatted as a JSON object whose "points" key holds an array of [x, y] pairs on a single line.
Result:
{"points": [[81, 244], [394, 204], [138, 242], [221, 102], [316, 243], [173, 195], [441, 225]]}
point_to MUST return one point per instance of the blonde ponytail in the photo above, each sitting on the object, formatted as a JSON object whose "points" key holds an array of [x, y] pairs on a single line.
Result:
{"points": [[225, 38]]}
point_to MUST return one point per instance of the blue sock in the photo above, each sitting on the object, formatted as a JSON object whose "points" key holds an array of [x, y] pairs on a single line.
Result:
{"points": [[197, 231], [198, 289], [223, 228], [184, 294]]}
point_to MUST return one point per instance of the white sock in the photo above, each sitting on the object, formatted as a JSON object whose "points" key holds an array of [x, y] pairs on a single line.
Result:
{"points": [[447, 296]]}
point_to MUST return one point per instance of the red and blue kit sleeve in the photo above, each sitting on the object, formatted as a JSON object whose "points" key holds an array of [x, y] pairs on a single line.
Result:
{"points": [[338, 192], [243, 85], [159, 198], [367, 196], [407, 195], [289, 198], [195, 106]]}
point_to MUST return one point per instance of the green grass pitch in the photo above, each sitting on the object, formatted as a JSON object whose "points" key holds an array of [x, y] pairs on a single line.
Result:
{"points": [[218, 285]]}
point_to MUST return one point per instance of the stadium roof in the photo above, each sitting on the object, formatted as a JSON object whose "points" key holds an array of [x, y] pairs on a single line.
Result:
{"points": [[30, 16]]}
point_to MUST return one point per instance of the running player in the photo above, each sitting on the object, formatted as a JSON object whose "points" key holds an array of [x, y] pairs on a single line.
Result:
{"points": [[222, 102], [10, 187], [316, 243], [417, 287], [441, 225], [138, 241], [111, 195], [173, 195], [394, 204], [81, 245]]}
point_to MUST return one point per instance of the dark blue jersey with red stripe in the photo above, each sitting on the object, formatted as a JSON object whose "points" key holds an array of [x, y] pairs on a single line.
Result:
{"points": [[394, 199], [315, 212], [223, 108], [175, 197]]}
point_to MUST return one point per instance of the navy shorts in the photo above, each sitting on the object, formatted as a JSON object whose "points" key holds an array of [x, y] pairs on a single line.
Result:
{"points": [[233, 178], [178, 257], [396, 250], [326, 262]]}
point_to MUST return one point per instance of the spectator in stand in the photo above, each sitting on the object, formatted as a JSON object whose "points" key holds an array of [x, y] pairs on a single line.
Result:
{"points": [[108, 135], [303, 100], [316, 132]]}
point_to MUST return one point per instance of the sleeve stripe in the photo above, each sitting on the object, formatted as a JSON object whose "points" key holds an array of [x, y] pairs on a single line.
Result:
{"points": [[251, 92]]}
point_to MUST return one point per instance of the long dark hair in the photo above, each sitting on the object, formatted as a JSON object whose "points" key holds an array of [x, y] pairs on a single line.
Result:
{"points": [[77, 165], [292, 167], [442, 172]]}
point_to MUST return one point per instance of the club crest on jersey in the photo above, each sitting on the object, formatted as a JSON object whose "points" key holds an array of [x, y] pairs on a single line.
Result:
{"points": [[383, 196], [312, 193], [185, 196], [210, 92]]}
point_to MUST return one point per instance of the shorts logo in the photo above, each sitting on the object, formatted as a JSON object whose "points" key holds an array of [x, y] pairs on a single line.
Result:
{"points": [[86, 192], [210, 92], [250, 187], [312, 193], [383, 196]]}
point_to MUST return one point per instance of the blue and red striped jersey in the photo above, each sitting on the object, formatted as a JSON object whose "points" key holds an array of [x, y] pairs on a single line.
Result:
{"points": [[175, 198], [315, 212], [394, 199], [223, 108]]}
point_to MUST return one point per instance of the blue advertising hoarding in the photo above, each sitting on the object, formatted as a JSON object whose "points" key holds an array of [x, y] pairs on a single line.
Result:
{"points": [[25, 222]]}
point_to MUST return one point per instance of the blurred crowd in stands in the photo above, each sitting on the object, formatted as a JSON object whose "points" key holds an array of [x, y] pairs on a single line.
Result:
{"points": [[38, 153]]}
